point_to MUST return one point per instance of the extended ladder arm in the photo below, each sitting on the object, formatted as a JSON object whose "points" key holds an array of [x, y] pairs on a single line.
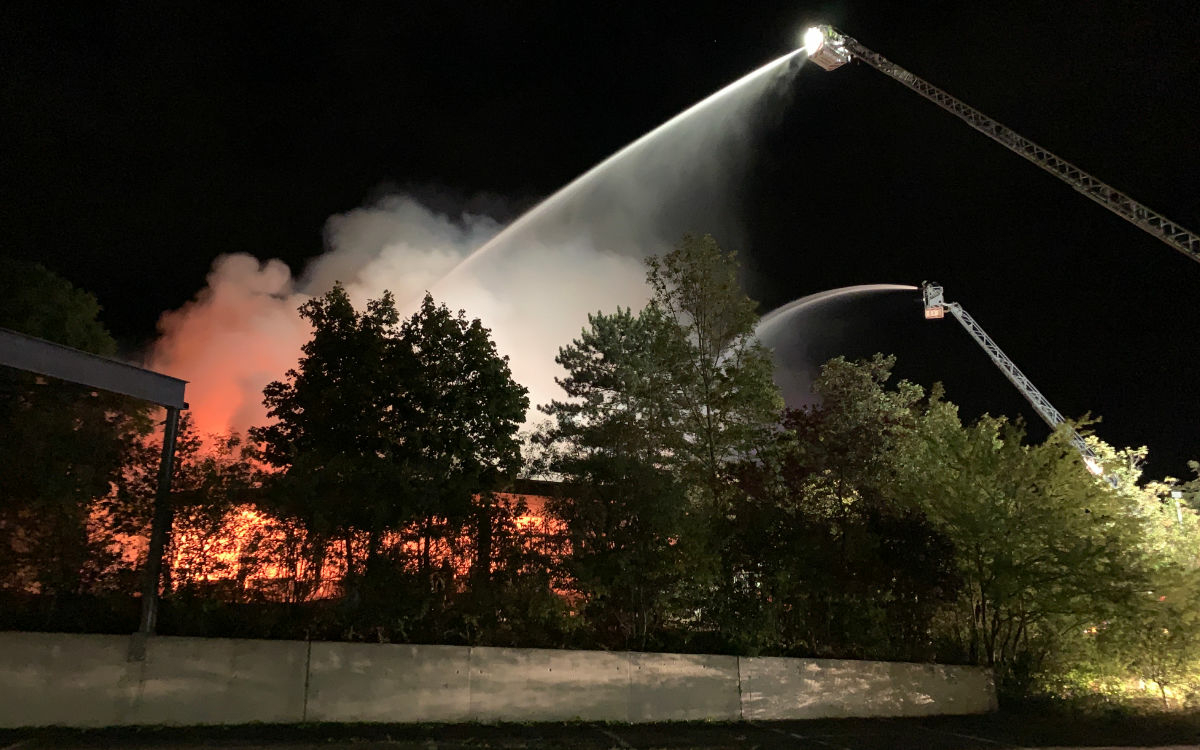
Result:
{"points": [[1039, 402], [936, 307], [831, 49]]}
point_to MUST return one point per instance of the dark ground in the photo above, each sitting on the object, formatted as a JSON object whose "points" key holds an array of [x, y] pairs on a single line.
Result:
{"points": [[1002, 730]]}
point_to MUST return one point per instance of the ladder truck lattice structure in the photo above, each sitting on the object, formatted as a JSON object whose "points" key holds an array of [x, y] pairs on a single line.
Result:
{"points": [[831, 49], [936, 307]]}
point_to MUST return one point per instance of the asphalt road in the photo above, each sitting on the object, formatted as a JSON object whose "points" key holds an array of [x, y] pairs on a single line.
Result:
{"points": [[937, 733]]}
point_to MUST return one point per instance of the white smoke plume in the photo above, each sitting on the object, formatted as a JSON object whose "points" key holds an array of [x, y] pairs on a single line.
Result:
{"points": [[532, 283]]}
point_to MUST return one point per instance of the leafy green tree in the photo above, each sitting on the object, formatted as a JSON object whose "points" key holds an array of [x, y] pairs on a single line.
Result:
{"points": [[1043, 547], [724, 406], [852, 434], [62, 445], [1156, 638], [462, 412], [671, 401], [723, 401], [387, 424], [832, 563], [39, 302], [612, 443], [333, 430]]}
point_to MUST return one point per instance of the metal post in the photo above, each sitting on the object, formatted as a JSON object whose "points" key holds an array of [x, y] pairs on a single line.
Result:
{"points": [[160, 528]]}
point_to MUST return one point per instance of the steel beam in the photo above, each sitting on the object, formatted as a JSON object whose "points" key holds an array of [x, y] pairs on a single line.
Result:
{"points": [[65, 363]]}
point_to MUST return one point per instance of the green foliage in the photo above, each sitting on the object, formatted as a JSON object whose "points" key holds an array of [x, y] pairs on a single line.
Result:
{"points": [[333, 433], [1156, 638], [38, 302], [211, 480], [1043, 547], [461, 412], [62, 445], [690, 514], [831, 563], [385, 425], [612, 443], [515, 602], [722, 400], [724, 409], [664, 405]]}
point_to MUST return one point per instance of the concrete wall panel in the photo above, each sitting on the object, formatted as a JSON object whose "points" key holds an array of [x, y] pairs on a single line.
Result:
{"points": [[89, 681], [932, 689], [60, 678], [526, 684], [388, 683], [777, 688], [220, 681], [683, 687], [772, 687]]}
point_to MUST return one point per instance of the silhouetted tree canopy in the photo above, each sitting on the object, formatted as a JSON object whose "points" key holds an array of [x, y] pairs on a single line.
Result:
{"points": [[386, 423], [62, 445]]}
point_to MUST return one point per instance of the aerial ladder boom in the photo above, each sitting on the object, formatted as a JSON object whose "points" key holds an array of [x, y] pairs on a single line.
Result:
{"points": [[831, 49], [937, 307]]}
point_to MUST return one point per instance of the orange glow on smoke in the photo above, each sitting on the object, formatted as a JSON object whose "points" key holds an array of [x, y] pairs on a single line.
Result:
{"points": [[239, 334]]}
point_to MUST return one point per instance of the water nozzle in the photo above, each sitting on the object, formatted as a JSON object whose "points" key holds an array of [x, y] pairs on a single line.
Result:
{"points": [[934, 300]]}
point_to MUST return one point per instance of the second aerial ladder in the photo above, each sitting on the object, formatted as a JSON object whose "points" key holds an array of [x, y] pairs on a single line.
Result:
{"points": [[936, 306]]}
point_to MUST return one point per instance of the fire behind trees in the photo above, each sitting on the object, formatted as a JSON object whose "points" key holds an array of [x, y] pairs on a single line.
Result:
{"points": [[686, 510]]}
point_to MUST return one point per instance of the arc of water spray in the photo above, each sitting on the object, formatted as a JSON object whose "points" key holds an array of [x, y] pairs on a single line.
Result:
{"points": [[771, 319], [534, 214], [534, 282]]}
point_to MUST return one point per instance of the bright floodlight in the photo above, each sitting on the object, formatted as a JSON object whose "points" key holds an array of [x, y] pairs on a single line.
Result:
{"points": [[826, 47], [813, 39]]}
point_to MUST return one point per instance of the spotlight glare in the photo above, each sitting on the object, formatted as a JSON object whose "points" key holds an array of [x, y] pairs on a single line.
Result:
{"points": [[813, 39], [826, 47]]}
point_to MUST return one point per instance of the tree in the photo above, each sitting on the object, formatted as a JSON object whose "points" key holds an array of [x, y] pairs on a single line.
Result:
{"points": [[333, 434], [210, 482], [832, 563], [612, 445], [851, 436], [723, 401], [384, 425], [62, 445], [462, 414], [517, 601], [724, 406], [1044, 548], [39, 302], [1157, 637], [668, 401]]}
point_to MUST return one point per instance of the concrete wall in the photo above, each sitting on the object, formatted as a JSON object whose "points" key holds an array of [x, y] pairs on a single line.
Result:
{"points": [[549, 685], [91, 680], [774, 688], [388, 683]]}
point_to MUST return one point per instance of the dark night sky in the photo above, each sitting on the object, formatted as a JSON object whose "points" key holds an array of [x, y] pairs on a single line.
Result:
{"points": [[141, 142]]}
